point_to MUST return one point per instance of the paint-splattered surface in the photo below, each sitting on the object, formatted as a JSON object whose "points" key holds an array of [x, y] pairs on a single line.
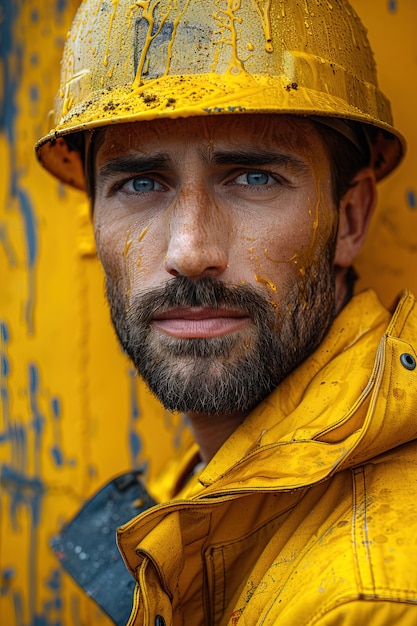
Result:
{"points": [[68, 423], [72, 411]]}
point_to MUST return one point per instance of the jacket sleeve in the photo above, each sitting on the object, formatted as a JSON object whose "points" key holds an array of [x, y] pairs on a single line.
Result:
{"points": [[375, 612]]}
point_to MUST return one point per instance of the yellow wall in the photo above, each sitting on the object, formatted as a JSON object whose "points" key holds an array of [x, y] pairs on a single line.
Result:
{"points": [[388, 262], [72, 412]]}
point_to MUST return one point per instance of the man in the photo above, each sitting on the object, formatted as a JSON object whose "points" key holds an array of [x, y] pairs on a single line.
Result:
{"points": [[231, 152]]}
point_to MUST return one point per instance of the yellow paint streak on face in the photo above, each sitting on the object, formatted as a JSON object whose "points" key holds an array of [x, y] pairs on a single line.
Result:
{"points": [[143, 233], [292, 259], [265, 281], [140, 237], [128, 243], [126, 249], [252, 255]]}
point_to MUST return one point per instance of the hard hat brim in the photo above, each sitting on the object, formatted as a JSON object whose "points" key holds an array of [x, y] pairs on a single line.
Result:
{"points": [[210, 94]]}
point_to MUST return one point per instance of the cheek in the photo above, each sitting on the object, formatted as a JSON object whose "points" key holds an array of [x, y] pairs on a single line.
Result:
{"points": [[277, 254], [131, 254], [265, 257], [146, 252], [106, 248], [113, 241]]}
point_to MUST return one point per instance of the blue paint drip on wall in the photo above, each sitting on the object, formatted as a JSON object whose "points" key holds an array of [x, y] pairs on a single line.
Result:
{"points": [[412, 199], [56, 450], [38, 420], [18, 607], [52, 609], [5, 366], [57, 456], [392, 6], [34, 93], [7, 245], [22, 490], [8, 108], [4, 333], [60, 7], [26, 493], [4, 384], [11, 55]]}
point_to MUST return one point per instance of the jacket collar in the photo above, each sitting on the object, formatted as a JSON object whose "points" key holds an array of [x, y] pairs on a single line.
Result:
{"points": [[313, 424]]}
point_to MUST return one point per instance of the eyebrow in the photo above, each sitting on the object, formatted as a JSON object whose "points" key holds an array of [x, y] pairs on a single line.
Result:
{"points": [[134, 163], [256, 157]]}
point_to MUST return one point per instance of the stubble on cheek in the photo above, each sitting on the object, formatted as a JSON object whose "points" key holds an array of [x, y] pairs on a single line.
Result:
{"points": [[229, 373], [122, 260]]}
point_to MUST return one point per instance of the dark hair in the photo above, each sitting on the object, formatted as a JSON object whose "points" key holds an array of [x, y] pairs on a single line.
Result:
{"points": [[346, 160]]}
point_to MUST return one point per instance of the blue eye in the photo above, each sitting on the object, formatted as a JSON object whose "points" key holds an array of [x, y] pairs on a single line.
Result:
{"points": [[141, 184], [144, 183], [257, 178], [254, 178]]}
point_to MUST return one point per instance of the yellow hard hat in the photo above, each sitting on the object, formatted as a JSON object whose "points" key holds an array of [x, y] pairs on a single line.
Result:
{"points": [[128, 61]]}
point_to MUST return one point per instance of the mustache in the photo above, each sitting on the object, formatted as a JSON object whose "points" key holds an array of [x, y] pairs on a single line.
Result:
{"points": [[206, 292]]}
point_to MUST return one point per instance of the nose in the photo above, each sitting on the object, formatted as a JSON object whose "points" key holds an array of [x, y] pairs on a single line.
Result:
{"points": [[198, 235]]}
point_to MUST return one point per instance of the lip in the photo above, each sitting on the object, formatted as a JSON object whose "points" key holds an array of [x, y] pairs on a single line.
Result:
{"points": [[199, 322]]}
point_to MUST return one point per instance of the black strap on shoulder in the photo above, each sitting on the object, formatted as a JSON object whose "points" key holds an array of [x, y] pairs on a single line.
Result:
{"points": [[87, 548]]}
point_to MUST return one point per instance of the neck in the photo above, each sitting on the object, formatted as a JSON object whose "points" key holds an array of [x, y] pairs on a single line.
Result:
{"points": [[211, 431]]}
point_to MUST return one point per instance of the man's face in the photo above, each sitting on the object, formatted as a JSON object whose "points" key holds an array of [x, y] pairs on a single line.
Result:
{"points": [[217, 236]]}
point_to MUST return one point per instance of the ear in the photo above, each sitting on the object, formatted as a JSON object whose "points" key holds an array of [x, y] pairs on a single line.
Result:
{"points": [[355, 211]]}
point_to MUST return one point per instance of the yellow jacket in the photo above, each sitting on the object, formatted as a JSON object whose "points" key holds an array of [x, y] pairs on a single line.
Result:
{"points": [[308, 513]]}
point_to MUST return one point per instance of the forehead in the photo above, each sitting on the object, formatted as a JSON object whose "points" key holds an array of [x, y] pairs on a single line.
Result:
{"points": [[284, 133]]}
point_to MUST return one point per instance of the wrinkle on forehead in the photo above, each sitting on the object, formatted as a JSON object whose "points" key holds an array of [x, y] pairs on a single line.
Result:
{"points": [[286, 132]]}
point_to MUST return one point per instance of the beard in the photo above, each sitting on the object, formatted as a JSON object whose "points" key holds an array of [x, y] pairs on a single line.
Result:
{"points": [[231, 373]]}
